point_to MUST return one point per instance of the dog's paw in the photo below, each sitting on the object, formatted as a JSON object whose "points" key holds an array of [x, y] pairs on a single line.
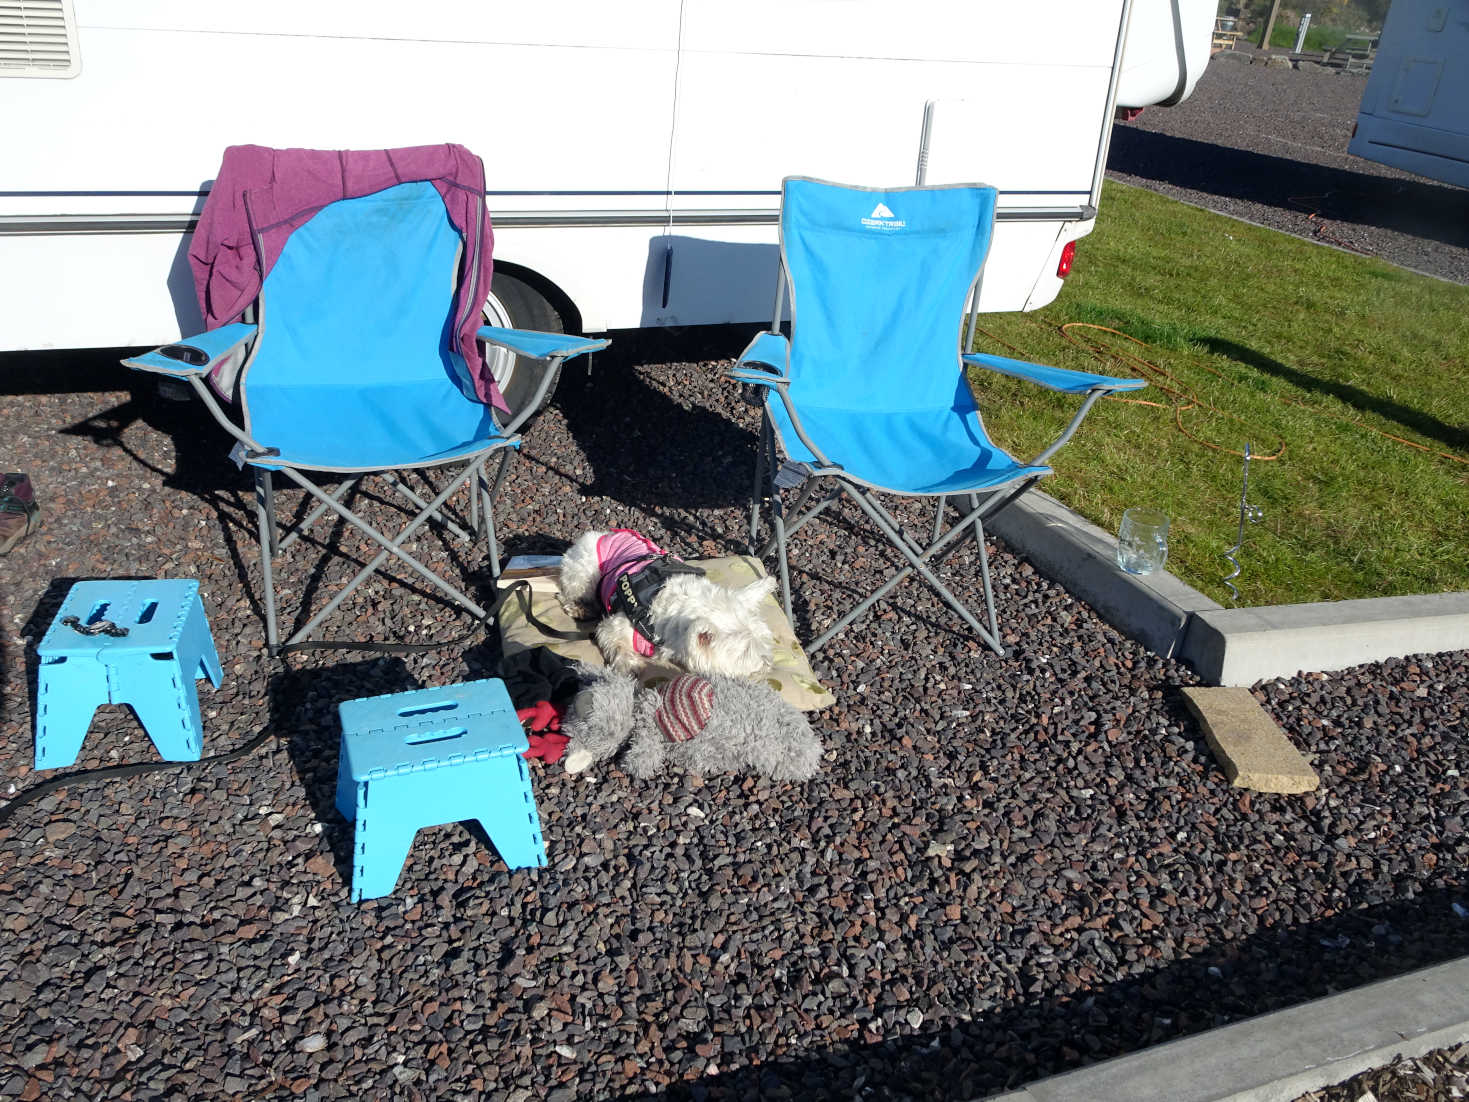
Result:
{"points": [[578, 760], [578, 610]]}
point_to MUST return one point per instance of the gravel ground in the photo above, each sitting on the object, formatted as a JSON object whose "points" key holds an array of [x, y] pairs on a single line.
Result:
{"points": [[1006, 868], [1270, 145]]}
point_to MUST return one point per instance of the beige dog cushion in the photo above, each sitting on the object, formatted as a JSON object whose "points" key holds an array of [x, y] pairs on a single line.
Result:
{"points": [[790, 675]]}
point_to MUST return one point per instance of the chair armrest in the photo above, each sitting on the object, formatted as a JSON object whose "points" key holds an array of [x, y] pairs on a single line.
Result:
{"points": [[540, 346], [1053, 378], [207, 348], [767, 350]]}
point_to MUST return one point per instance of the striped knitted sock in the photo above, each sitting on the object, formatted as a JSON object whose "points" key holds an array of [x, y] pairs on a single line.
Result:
{"points": [[688, 702]]}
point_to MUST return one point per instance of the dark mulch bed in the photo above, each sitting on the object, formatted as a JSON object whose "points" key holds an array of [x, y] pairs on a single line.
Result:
{"points": [[1006, 868], [1433, 1077], [1270, 145]]}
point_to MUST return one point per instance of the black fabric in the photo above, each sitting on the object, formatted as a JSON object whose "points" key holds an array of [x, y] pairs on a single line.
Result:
{"points": [[635, 590], [521, 591], [538, 674]]}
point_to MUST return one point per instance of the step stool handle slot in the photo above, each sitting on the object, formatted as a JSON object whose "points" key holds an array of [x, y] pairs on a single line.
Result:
{"points": [[444, 734], [147, 613], [425, 709]]}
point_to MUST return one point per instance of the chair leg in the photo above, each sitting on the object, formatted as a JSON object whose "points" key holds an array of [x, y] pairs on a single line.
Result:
{"points": [[265, 518], [474, 521], [755, 492], [778, 522], [268, 481], [490, 492], [938, 518], [984, 567], [392, 479]]}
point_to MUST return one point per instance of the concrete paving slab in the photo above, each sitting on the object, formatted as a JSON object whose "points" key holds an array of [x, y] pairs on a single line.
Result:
{"points": [[1254, 752], [1240, 646], [1155, 609], [1279, 1057]]}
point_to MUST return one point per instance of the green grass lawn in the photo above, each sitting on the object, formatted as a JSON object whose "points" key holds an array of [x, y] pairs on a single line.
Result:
{"points": [[1294, 343], [1319, 39]]}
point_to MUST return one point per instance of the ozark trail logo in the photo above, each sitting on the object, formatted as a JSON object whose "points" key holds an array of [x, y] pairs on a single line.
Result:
{"points": [[882, 218]]}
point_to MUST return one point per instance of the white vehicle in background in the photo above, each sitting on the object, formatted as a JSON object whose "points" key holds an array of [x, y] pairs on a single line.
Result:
{"points": [[634, 152], [1415, 109]]}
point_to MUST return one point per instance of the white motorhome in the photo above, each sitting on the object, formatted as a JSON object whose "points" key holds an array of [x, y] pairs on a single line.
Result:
{"points": [[634, 151], [1415, 109]]}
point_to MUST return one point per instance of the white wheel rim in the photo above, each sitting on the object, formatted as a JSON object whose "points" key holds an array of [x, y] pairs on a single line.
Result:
{"points": [[501, 361]]}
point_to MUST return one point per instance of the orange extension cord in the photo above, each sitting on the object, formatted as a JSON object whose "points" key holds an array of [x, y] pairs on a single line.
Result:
{"points": [[1184, 399]]}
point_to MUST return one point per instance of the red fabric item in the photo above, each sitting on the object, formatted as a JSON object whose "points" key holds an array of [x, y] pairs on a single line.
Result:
{"points": [[542, 723], [278, 190], [540, 716], [547, 747]]}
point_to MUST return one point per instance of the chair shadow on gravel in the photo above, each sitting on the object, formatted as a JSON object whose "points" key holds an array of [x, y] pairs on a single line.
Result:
{"points": [[303, 710], [202, 467], [204, 470], [1434, 212], [644, 449], [1032, 1039], [1451, 436]]}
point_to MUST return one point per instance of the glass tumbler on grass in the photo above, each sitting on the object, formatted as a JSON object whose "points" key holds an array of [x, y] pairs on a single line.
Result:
{"points": [[1142, 541]]}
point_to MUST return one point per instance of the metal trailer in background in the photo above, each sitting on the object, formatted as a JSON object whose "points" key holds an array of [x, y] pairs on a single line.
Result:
{"points": [[634, 152], [1415, 109]]}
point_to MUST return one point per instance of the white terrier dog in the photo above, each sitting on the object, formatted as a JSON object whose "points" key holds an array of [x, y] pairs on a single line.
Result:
{"points": [[653, 605]]}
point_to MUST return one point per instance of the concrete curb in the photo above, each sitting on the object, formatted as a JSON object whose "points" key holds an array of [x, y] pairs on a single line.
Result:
{"points": [[1227, 646], [1281, 1056]]}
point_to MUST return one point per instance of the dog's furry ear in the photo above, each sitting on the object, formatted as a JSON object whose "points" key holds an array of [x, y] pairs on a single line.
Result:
{"points": [[757, 591]]}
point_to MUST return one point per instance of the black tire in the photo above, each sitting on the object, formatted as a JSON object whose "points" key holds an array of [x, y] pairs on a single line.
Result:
{"points": [[515, 304]]}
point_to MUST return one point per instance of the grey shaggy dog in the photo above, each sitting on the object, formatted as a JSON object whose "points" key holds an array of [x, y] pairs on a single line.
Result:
{"points": [[750, 729]]}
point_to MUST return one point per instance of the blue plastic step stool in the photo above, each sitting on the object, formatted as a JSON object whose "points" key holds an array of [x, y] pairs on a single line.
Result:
{"points": [[125, 642], [428, 757]]}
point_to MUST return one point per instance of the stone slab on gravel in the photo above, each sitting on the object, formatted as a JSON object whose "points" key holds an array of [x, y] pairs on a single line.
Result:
{"points": [[1253, 751]]}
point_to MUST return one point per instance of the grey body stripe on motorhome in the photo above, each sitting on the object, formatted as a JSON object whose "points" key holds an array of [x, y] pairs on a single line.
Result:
{"points": [[23, 225]]}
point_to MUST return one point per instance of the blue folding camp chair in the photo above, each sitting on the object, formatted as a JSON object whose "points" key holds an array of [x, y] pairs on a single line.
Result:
{"points": [[868, 393], [351, 368]]}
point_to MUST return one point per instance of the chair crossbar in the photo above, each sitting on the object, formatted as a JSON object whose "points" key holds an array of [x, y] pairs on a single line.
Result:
{"points": [[918, 561], [392, 479], [299, 529], [918, 556], [390, 547]]}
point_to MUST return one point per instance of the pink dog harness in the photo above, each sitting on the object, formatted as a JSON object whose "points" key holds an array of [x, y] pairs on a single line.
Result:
{"points": [[633, 570]]}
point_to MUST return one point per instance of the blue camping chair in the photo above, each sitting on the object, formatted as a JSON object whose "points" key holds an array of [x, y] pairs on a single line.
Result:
{"points": [[869, 393], [351, 368]]}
